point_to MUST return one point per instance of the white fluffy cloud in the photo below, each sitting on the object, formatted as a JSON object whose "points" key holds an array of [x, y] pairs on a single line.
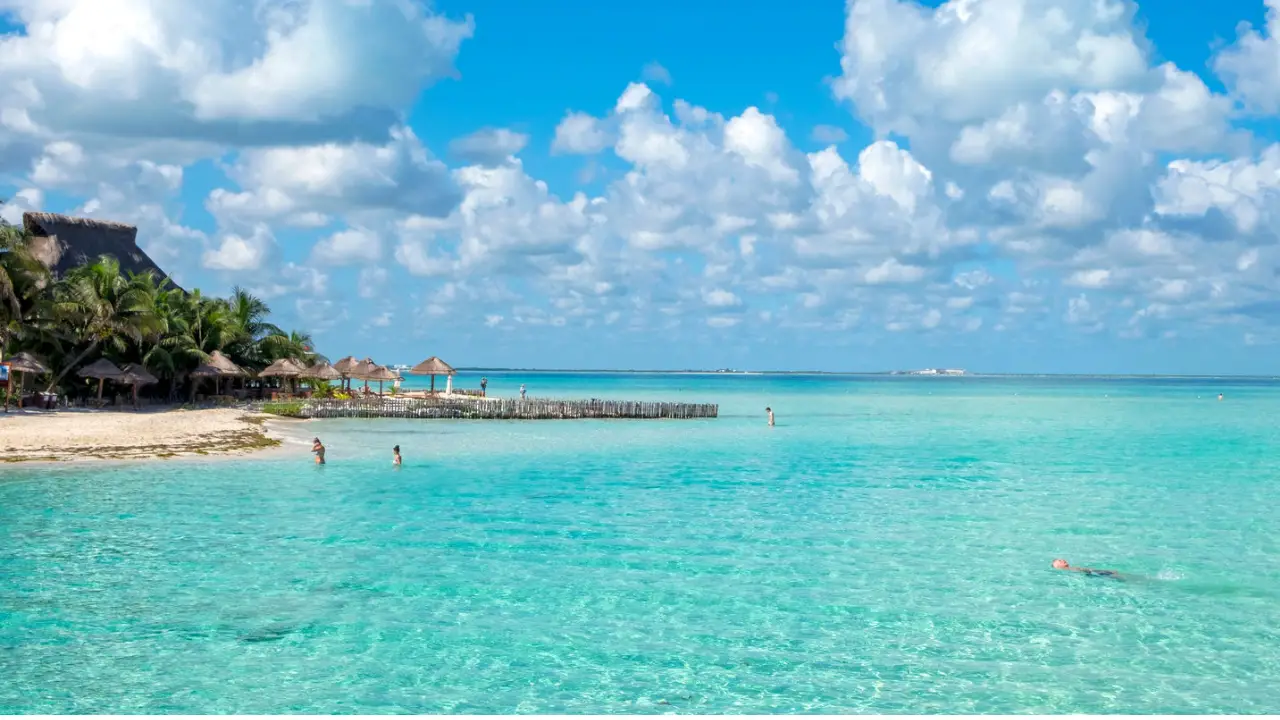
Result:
{"points": [[307, 185], [222, 71], [109, 101], [1251, 67], [708, 202], [580, 134], [241, 252], [353, 246]]}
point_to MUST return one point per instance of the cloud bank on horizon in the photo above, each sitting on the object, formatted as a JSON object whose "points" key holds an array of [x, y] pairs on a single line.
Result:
{"points": [[1033, 187]]}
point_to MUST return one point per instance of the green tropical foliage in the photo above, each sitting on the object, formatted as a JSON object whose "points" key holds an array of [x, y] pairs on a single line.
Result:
{"points": [[22, 281], [96, 310]]}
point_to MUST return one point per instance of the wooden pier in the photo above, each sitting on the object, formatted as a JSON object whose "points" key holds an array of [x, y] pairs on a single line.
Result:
{"points": [[478, 409]]}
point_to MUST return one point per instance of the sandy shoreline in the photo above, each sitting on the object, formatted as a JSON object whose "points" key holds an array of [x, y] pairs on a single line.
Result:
{"points": [[71, 435]]}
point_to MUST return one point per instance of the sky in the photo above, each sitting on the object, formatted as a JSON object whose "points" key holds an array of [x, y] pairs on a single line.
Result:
{"points": [[996, 185]]}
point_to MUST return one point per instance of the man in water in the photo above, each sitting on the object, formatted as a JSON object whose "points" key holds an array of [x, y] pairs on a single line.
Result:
{"points": [[1064, 565], [770, 411], [395, 456], [317, 448], [484, 387], [522, 391]]}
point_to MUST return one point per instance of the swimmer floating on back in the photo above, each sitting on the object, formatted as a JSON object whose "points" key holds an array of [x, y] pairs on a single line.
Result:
{"points": [[1064, 565]]}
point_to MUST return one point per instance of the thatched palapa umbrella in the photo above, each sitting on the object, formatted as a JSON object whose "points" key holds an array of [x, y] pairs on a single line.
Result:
{"points": [[24, 363], [225, 368], [346, 366], [136, 375], [203, 371], [382, 374], [434, 366], [363, 370], [322, 371], [285, 368], [101, 370], [222, 367]]}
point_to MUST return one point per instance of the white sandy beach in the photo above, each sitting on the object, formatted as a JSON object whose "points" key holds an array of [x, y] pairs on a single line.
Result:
{"points": [[73, 435]]}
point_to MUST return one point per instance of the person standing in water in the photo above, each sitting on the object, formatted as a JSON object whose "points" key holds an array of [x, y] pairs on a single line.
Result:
{"points": [[770, 411], [317, 448], [484, 387], [521, 391], [395, 456]]}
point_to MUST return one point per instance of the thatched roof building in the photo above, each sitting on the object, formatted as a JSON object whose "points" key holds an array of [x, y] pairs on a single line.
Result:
{"points": [[62, 242], [223, 364], [25, 362], [285, 368]]}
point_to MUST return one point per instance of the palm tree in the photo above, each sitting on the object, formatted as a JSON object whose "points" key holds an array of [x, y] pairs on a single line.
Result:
{"points": [[248, 317], [294, 346], [103, 309], [201, 326], [22, 277], [159, 351]]}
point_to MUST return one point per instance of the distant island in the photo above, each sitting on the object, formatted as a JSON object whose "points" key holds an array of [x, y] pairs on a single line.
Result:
{"points": [[951, 372]]}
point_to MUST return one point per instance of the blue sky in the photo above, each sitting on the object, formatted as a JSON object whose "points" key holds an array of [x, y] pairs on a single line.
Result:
{"points": [[1002, 185]]}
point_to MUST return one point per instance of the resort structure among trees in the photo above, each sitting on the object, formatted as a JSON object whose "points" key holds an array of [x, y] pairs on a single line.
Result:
{"points": [[74, 292]]}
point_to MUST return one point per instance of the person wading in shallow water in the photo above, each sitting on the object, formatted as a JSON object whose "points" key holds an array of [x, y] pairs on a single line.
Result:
{"points": [[395, 456], [317, 448], [484, 387], [770, 411]]}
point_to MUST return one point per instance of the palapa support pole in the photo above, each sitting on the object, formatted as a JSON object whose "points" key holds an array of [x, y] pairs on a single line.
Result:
{"points": [[100, 383]]}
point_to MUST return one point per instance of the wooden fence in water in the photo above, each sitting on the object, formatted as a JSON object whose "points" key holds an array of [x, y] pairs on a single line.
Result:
{"points": [[475, 409]]}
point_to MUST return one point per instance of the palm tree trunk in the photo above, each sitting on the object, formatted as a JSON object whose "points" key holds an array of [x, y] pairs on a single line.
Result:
{"points": [[79, 358]]}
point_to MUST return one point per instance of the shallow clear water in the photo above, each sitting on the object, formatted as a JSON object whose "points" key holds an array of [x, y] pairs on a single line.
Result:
{"points": [[885, 548]]}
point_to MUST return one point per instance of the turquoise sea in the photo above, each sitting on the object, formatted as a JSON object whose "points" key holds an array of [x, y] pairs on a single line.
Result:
{"points": [[886, 548]]}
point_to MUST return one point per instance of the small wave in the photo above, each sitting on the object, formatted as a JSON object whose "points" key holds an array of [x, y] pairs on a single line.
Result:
{"points": [[1169, 575]]}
